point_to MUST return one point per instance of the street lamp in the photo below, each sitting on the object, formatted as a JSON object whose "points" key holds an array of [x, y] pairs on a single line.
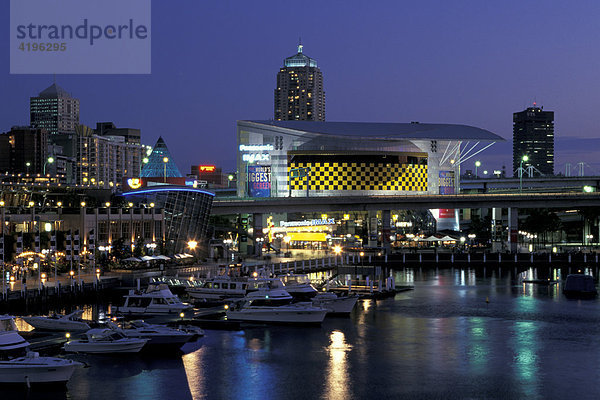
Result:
{"points": [[477, 165], [144, 161], [165, 161], [192, 244], [28, 164], [50, 160], [524, 159]]}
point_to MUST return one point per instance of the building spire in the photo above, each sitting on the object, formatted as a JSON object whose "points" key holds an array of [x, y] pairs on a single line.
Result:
{"points": [[300, 45]]}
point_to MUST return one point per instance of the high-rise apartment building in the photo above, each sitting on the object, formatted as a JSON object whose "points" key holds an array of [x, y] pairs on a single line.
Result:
{"points": [[533, 136], [299, 94], [54, 110], [100, 160], [23, 150]]}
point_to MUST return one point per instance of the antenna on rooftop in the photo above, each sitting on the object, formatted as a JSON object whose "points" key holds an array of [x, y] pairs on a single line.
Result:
{"points": [[300, 44]]}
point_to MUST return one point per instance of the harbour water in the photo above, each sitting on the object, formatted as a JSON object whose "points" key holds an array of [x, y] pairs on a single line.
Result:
{"points": [[442, 340]]}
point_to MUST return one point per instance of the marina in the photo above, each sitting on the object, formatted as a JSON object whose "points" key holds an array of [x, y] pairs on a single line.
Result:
{"points": [[445, 322]]}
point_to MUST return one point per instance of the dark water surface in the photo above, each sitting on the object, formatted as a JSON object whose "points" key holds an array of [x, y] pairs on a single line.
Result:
{"points": [[441, 340]]}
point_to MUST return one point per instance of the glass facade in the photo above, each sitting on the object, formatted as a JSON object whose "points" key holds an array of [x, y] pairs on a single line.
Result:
{"points": [[160, 163], [186, 212]]}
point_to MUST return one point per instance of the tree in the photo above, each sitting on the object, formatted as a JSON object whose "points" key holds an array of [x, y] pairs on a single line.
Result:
{"points": [[481, 227], [541, 222], [138, 251]]}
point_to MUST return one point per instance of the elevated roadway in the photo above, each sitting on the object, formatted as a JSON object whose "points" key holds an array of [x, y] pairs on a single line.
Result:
{"points": [[229, 206]]}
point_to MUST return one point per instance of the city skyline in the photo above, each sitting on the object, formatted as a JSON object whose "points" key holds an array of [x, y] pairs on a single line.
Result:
{"points": [[447, 64]]}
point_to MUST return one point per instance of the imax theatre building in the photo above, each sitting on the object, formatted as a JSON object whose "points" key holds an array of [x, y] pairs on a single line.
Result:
{"points": [[306, 158]]}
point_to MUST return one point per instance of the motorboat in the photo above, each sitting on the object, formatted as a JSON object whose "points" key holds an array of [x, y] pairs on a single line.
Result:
{"points": [[335, 304], [580, 286], [157, 299], [177, 285], [66, 323], [105, 341], [18, 365], [159, 336], [271, 303], [219, 289], [299, 286]]}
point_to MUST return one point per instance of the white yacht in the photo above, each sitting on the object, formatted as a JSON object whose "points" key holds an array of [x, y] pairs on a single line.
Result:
{"points": [[219, 289], [299, 286], [156, 299], [335, 304], [68, 323], [20, 366], [105, 341], [270, 303], [159, 336]]}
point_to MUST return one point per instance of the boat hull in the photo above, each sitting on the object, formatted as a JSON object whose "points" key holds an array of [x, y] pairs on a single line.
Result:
{"points": [[283, 315], [152, 310], [46, 324], [162, 342], [339, 305], [35, 371], [131, 346]]}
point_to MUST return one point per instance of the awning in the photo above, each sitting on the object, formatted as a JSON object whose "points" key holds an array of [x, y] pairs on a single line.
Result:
{"points": [[135, 259], [448, 239]]}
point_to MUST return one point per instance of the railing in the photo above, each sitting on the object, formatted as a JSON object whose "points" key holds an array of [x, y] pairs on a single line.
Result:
{"points": [[476, 258], [297, 266]]}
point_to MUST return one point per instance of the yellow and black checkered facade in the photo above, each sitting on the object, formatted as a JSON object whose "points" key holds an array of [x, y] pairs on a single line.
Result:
{"points": [[360, 176]]}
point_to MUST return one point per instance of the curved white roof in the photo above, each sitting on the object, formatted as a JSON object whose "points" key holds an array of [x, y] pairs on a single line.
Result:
{"points": [[386, 130]]}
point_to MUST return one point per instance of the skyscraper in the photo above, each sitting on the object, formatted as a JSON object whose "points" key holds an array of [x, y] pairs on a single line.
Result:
{"points": [[299, 94], [23, 150], [533, 136], [54, 110]]}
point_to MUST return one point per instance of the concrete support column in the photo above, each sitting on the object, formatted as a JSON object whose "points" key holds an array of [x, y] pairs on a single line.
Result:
{"points": [[513, 229], [386, 231], [257, 225], [372, 225], [496, 229]]}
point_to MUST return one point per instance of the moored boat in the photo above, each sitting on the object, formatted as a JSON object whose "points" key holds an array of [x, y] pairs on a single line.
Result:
{"points": [[155, 300], [270, 303], [335, 304], [159, 336], [219, 289], [580, 286], [18, 365], [105, 341], [67, 323]]}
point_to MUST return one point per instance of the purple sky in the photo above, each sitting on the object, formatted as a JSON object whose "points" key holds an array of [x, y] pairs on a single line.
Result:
{"points": [[465, 62]]}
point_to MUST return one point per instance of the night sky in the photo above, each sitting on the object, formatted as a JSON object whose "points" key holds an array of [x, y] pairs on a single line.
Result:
{"points": [[464, 62]]}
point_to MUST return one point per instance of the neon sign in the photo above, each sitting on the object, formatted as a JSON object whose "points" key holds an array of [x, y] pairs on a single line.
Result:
{"points": [[207, 168], [253, 157], [256, 147], [134, 183]]}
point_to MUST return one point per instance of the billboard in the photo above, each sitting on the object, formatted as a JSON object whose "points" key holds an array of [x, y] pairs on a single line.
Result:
{"points": [[446, 182], [447, 218], [259, 180]]}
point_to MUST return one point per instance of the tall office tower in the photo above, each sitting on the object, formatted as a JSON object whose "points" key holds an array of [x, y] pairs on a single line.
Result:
{"points": [[54, 110], [299, 94], [533, 136]]}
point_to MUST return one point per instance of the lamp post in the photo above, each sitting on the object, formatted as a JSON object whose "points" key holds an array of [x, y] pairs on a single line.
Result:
{"points": [[165, 161], [144, 161], [477, 165], [28, 164], [2, 244], [50, 160], [525, 158]]}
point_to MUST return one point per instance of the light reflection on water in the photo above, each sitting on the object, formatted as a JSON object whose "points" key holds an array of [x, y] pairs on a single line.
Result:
{"points": [[337, 378]]}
